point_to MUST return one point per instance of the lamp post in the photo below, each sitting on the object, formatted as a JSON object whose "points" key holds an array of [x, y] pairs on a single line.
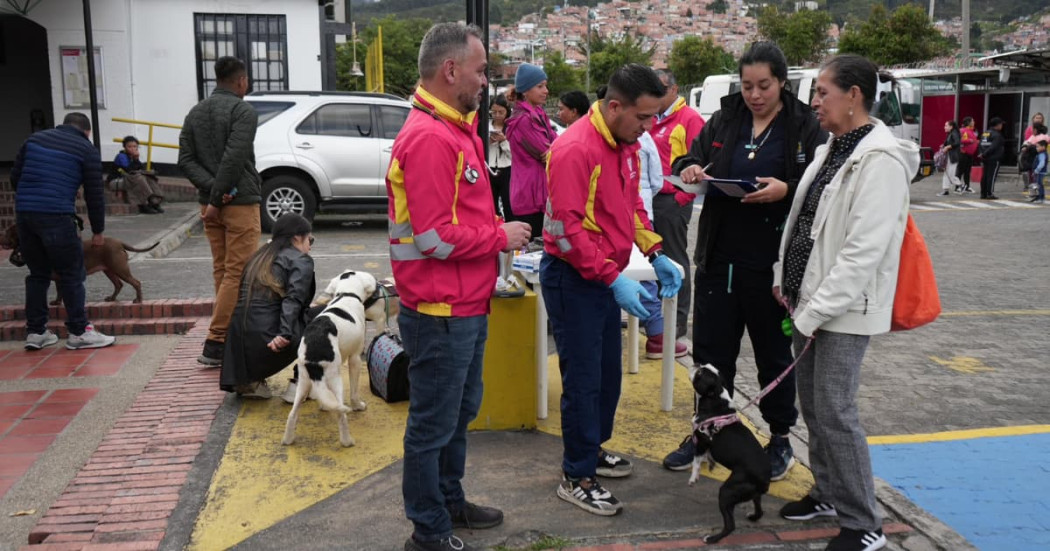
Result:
{"points": [[355, 69]]}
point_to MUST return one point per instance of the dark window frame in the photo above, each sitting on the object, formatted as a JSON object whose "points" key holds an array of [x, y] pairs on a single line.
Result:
{"points": [[245, 31]]}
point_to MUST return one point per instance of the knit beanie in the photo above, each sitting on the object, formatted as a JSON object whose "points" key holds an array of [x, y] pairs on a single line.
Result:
{"points": [[528, 75]]}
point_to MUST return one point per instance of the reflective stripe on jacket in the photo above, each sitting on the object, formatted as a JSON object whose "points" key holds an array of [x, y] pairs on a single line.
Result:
{"points": [[594, 212], [444, 233], [675, 133]]}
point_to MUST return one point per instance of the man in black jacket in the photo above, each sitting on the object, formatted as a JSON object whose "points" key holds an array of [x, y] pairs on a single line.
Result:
{"points": [[991, 149], [217, 154]]}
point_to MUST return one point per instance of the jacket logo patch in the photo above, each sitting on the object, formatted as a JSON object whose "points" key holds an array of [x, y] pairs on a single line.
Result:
{"points": [[716, 144]]}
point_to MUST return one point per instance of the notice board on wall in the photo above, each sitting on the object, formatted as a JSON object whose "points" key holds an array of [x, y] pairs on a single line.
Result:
{"points": [[75, 89]]}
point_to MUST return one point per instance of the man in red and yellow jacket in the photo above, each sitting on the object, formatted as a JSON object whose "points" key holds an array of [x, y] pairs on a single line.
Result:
{"points": [[675, 128], [594, 217], [444, 241]]}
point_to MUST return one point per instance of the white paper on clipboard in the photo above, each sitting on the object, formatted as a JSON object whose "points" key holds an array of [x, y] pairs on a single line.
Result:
{"points": [[698, 189]]}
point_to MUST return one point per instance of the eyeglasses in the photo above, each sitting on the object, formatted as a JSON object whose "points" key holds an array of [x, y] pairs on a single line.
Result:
{"points": [[311, 241]]}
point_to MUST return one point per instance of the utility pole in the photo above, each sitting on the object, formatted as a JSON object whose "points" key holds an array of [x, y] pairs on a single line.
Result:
{"points": [[931, 10], [966, 34]]}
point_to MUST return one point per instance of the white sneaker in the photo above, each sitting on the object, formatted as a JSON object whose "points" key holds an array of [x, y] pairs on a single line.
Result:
{"points": [[36, 341], [89, 339], [289, 394]]}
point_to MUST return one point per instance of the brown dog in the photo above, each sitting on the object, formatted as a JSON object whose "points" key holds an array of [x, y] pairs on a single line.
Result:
{"points": [[111, 259]]}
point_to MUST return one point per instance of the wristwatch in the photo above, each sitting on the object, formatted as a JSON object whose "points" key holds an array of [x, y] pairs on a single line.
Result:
{"points": [[655, 254]]}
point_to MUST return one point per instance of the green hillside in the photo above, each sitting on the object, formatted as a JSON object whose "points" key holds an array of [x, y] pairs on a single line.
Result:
{"points": [[509, 11]]}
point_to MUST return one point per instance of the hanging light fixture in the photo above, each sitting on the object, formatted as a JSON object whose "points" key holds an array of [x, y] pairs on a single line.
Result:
{"points": [[355, 69]]}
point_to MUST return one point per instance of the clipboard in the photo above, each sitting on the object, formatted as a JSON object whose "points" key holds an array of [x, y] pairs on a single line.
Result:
{"points": [[698, 189], [732, 188]]}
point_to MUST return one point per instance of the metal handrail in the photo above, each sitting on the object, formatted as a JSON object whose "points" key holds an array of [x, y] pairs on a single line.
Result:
{"points": [[149, 143]]}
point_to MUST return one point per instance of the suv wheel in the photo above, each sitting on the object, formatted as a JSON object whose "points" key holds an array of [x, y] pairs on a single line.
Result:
{"points": [[283, 194]]}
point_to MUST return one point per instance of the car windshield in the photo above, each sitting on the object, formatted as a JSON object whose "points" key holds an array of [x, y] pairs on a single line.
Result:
{"points": [[269, 109]]}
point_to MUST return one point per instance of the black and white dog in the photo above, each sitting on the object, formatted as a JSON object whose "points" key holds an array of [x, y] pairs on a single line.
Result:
{"points": [[336, 336], [721, 438]]}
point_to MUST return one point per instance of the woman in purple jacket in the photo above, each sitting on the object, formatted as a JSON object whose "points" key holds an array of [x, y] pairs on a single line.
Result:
{"points": [[530, 135]]}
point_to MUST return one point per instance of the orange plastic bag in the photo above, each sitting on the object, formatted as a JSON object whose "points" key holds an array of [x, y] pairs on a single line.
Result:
{"points": [[917, 301]]}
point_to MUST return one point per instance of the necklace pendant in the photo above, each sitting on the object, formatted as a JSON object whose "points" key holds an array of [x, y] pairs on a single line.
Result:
{"points": [[751, 156]]}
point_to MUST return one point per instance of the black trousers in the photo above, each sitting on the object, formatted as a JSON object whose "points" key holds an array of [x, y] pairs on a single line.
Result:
{"points": [[727, 300], [991, 170], [963, 169], [671, 221]]}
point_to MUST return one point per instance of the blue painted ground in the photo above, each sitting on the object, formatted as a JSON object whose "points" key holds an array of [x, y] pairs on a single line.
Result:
{"points": [[994, 491]]}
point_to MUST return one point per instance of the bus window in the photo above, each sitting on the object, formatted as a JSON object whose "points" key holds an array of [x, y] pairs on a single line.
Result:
{"points": [[888, 110]]}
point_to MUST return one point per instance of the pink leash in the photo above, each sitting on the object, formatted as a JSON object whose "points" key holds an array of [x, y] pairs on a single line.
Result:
{"points": [[724, 420]]}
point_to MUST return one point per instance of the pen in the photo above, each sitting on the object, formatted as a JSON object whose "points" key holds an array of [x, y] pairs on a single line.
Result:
{"points": [[708, 167]]}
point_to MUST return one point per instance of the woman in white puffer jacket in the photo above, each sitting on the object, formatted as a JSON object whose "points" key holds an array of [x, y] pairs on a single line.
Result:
{"points": [[837, 273]]}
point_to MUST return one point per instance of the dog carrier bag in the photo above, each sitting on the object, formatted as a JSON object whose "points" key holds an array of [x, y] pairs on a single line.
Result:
{"points": [[388, 368]]}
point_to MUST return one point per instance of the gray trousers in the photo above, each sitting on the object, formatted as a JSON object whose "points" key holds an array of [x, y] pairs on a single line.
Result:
{"points": [[828, 379]]}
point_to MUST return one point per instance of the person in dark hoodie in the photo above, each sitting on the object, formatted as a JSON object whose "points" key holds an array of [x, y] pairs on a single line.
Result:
{"points": [[765, 135], [991, 148]]}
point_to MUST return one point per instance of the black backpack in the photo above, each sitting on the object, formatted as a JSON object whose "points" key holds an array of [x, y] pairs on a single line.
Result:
{"points": [[388, 368], [1026, 159]]}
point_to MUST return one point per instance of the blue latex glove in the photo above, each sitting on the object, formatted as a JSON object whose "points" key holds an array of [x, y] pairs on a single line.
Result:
{"points": [[669, 276], [626, 291]]}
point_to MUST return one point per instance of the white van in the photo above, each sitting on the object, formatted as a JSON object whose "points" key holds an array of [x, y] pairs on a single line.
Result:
{"points": [[708, 99]]}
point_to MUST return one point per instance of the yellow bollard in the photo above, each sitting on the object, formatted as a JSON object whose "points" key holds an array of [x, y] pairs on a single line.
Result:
{"points": [[509, 374]]}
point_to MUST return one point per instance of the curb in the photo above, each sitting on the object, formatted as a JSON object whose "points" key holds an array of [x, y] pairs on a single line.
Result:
{"points": [[171, 238], [770, 537]]}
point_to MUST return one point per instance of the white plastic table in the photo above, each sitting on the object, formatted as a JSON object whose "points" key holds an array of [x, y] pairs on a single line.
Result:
{"points": [[637, 269]]}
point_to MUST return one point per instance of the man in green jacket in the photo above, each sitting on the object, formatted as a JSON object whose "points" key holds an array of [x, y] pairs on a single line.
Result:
{"points": [[216, 153]]}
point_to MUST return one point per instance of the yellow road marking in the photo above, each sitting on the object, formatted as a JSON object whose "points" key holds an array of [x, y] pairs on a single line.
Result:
{"points": [[349, 248], [255, 467], [964, 364], [371, 265], [972, 313], [260, 482], [959, 435]]}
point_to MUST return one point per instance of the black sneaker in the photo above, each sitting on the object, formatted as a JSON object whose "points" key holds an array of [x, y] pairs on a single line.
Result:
{"points": [[451, 543], [612, 466], [943, 193], [781, 456], [475, 517], [807, 508], [592, 498], [857, 540], [211, 356], [682, 458]]}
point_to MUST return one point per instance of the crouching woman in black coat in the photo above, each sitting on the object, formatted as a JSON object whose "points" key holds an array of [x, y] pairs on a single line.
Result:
{"points": [[272, 309]]}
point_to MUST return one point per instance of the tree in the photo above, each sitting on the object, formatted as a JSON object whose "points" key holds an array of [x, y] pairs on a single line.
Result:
{"points": [[401, 39], [561, 77], [607, 55], [718, 6], [905, 36], [802, 36], [693, 59]]}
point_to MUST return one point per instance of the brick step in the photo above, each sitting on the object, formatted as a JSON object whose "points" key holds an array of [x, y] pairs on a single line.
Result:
{"points": [[16, 330], [173, 190], [112, 209], [96, 311]]}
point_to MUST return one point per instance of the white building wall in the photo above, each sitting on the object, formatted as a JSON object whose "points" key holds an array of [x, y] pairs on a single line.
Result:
{"points": [[149, 57]]}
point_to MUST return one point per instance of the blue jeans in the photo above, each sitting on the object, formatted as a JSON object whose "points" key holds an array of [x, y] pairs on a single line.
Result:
{"points": [[1039, 184], [444, 377], [51, 243], [586, 322]]}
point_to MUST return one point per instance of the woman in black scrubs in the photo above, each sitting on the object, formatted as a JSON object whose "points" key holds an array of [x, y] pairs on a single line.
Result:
{"points": [[763, 134]]}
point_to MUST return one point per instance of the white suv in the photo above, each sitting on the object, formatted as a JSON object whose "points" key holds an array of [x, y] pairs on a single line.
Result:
{"points": [[324, 151]]}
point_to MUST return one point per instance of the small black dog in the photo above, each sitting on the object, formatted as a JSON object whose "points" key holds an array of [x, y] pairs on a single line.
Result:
{"points": [[731, 445]]}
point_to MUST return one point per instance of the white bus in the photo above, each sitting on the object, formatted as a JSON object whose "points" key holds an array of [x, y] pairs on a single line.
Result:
{"points": [[707, 99]]}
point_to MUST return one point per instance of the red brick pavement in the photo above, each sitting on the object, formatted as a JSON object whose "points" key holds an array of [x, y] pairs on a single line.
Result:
{"points": [[122, 498]]}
